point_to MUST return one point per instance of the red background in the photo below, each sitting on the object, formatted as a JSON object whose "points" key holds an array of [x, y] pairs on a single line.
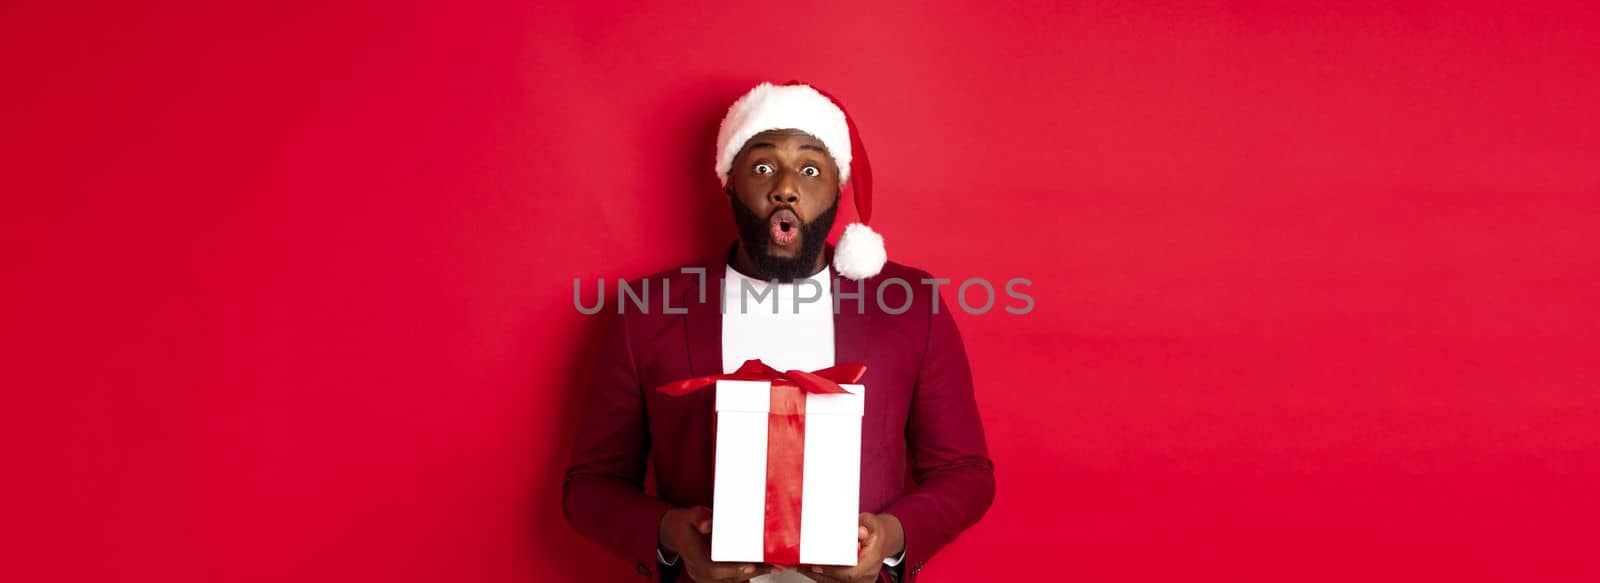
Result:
{"points": [[288, 288]]}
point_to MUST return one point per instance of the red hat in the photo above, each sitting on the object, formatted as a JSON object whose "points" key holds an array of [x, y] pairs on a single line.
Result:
{"points": [[796, 106]]}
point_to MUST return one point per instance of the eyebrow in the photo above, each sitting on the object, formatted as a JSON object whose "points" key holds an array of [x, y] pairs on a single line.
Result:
{"points": [[771, 145]]}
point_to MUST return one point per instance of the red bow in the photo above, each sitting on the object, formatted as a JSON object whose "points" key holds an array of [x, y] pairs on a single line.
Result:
{"points": [[825, 380]]}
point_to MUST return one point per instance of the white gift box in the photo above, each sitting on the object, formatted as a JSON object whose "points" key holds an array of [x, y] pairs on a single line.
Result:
{"points": [[830, 488]]}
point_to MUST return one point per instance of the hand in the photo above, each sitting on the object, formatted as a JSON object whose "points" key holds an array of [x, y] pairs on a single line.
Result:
{"points": [[880, 536], [686, 531]]}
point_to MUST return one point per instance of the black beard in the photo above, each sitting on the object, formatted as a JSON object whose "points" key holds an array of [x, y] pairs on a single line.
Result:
{"points": [[755, 235]]}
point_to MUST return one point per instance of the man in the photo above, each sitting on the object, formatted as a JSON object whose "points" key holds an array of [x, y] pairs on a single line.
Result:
{"points": [[784, 153]]}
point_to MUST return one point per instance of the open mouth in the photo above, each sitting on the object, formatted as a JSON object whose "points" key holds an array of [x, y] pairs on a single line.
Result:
{"points": [[784, 227]]}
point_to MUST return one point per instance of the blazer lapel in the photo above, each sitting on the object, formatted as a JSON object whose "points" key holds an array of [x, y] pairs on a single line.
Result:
{"points": [[703, 325], [851, 330]]}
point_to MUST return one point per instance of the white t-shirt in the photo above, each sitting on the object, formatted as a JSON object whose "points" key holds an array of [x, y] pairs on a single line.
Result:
{"points": [[789, 326]]}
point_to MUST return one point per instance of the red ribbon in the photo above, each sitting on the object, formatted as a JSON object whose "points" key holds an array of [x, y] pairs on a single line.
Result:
{"points": [[786, 442], [824, 381]]}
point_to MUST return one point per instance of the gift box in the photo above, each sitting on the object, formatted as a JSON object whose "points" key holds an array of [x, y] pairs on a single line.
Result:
{"points": [[787, 487]]}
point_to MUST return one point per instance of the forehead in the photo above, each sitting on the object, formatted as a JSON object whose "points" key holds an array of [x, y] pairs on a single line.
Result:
{"points": [[785, 140]]}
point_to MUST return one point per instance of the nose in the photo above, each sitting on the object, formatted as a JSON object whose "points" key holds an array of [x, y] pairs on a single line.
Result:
{"points": [[786, 190]]}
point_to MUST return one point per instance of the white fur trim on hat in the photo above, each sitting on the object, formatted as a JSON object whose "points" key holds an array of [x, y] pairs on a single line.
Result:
{"points": [[860, 253], [783, 107]]}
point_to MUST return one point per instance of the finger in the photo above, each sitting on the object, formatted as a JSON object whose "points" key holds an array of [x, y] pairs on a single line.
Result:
{"points": [[836, 573], [700, 519], [714, 579], [827, 574], [865, 565], [733, 571], [868, 540], [868, 525], [704, 577]]}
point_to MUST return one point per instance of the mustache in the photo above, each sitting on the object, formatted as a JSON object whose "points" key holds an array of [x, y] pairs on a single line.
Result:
{"points": [[755, 234], [786, 207]]}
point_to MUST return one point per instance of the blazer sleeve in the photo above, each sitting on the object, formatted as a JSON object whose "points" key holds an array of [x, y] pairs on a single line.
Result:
{"points": [[603, 496], [949, 459]]}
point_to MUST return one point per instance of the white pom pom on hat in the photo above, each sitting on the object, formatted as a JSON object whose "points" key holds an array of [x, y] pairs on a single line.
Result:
{"points": [[797, 106]]}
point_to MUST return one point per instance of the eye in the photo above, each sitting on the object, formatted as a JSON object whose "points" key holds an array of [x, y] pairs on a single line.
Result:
{"points": [[810, 171], [763, 169]]}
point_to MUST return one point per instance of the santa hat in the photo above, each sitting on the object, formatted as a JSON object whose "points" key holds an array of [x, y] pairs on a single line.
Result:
{"points": [[796, 106]]}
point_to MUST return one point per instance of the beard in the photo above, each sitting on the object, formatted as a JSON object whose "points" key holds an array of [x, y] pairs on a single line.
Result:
{"points": [[755, 235]]}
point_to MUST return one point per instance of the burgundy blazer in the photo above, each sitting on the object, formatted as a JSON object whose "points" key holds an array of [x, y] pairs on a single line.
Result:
{"points": [[920, 414]]}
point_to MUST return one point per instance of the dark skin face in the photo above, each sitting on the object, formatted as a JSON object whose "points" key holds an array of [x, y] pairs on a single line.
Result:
{"points": [[783, 169]]}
